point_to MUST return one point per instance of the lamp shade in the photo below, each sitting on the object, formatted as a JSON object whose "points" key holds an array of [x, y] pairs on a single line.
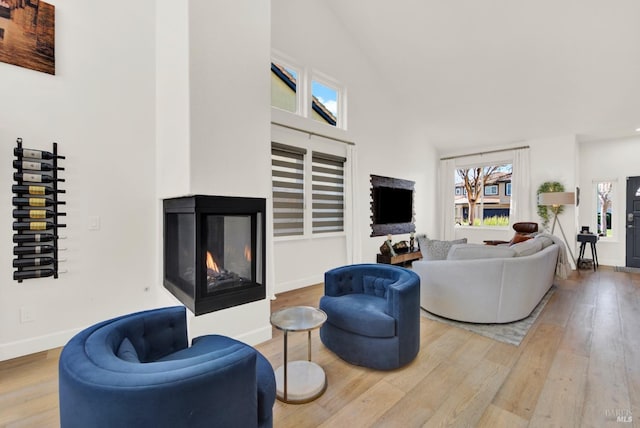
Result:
{"points": [[557, 198]]}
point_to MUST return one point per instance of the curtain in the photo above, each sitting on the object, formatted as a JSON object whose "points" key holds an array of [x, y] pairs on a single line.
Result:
{"points": [[352, 226], [521, 197], [447, 192]]}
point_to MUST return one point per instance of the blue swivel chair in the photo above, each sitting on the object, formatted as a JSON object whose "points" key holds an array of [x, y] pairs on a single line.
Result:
{"points": [[373, 315], [138, 371]]}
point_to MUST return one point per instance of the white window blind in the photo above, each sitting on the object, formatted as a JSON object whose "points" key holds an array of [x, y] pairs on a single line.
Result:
{"points": [[327, 189], [287, 165]]}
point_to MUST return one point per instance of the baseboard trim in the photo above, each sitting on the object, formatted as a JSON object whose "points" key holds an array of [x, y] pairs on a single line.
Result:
{"points": [[32, 345]]}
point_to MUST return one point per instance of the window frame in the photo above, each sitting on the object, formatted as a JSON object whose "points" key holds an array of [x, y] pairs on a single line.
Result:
{"points": [[304, 92], [492, 186], [308, 199]]}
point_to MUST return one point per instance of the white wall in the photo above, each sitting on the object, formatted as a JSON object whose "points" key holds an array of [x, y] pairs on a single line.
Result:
{"points": [[388, 141], [220, 118], [611, 160], [99, 107]]}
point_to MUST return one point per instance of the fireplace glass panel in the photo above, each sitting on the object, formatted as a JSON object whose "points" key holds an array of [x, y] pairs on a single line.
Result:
{"points": [[229, 252], [180, 245]]}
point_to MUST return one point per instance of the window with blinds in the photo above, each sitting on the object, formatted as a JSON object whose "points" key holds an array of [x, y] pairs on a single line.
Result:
{"points": [[287, 164], [327, 193]]}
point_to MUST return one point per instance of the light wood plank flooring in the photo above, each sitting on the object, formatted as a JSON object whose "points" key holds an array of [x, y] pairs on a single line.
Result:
{"points": [[579, 366]]}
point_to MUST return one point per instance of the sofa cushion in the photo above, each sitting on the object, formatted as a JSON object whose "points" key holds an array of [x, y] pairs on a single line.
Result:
{"points": [[438, 250], [127, 352], [479, 251], [361, 314], [527, 248]]}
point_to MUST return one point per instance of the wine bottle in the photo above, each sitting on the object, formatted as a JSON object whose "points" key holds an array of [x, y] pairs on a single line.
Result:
{"points": [[36, 202], [33, 249], [35, 214], [34, 178], [34, 190], [35, 273], [33, 237], [35, 225], [35, 154], [34, 166], [31, 262]]}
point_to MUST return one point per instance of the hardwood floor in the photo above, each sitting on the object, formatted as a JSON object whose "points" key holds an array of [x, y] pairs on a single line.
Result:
{"points": [[579, 366]]}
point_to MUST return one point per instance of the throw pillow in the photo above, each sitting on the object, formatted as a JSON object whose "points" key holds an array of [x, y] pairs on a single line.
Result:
{"points": [[518, 237], [438, 250], [127, 352]]}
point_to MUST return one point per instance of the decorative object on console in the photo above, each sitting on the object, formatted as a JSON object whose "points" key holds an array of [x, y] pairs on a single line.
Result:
{"points": [[37, 211], [401, 247], [556, 200]]}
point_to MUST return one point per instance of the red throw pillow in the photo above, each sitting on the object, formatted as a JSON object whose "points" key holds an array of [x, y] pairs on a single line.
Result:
{"points": [[517, 238]]}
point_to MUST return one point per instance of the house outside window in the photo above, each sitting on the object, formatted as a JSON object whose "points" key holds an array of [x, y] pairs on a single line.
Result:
{"points": [[484, 200], [507, 189]]}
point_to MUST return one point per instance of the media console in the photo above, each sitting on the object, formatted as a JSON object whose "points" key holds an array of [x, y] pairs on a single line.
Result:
{"points": [[399, 259]]}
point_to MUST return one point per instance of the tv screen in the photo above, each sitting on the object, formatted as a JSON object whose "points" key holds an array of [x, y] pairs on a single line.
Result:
{"points": [[393, 205]]}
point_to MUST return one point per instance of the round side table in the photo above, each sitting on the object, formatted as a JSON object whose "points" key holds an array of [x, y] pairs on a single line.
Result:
{"points": [[299, 381]]}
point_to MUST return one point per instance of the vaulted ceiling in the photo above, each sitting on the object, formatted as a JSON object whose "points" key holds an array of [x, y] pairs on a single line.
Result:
{"points": [[501, 71]]}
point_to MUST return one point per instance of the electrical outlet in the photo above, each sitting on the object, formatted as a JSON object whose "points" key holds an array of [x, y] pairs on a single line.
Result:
{"points": [[27, 314]]}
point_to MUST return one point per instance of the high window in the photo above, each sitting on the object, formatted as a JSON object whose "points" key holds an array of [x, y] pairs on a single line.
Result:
{"points": [[604, 208], [324, 103], [480, 203], [309, 94], [284, 87]]}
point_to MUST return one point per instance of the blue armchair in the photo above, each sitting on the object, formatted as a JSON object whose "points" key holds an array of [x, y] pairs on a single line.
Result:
{"points": [[138, 371], [373, 315]]}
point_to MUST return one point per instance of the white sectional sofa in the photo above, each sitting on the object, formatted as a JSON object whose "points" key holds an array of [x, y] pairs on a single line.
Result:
{"points": [[488, 284]]}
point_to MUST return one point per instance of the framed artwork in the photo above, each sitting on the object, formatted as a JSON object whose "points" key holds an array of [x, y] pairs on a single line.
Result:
{"points": [[27, 34]]}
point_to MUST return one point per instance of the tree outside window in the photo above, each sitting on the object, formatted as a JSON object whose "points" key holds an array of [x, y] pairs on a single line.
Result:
{"points": [[604, 208], [477, 207]]}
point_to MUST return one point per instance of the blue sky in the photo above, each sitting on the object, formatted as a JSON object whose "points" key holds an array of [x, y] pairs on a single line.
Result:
{"points": [[326, 95]]}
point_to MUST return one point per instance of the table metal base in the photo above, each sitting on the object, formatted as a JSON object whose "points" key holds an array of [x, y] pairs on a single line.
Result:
{"points": [[306, 381]]}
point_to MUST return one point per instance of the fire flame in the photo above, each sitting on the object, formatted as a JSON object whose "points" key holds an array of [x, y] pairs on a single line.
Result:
{"points": [[247, 253], [211, 264]]}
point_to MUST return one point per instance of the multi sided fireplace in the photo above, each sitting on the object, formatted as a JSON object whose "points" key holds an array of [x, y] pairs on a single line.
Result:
{"points": [[214, 251]]}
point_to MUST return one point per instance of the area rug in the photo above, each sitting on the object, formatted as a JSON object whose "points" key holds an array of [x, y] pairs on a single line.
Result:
{"points": [[627, 269], [511, 333]]}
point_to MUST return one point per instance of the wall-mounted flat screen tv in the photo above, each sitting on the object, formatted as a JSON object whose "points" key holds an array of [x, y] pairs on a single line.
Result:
{"points": [[393, 205]]}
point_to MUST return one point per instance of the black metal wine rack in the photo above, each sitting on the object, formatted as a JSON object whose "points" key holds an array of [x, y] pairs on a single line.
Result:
{"points": [[36, 212]]}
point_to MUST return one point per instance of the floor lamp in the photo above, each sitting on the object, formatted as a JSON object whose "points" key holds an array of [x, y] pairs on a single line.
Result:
{"points": [[555, 200]]}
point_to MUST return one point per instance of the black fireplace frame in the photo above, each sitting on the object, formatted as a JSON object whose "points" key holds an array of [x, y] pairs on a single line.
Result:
{"points": [[198, 300]]}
